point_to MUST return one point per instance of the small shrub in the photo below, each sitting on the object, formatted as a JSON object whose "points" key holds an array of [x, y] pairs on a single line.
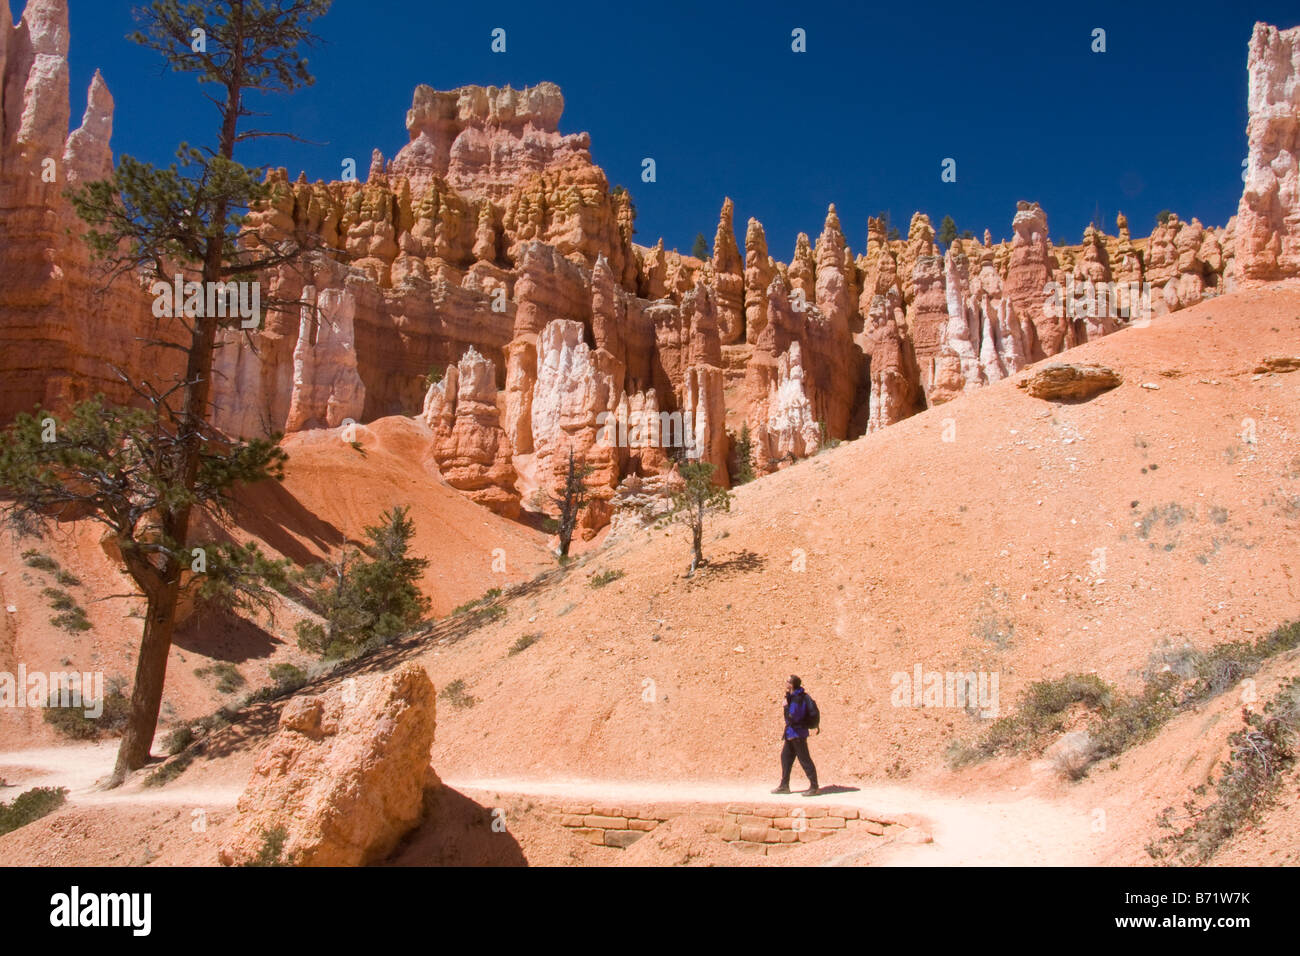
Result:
{"points": [[485, 598], [961, 754], [228, 678], [1176, 679], [1259, 753], [605, 577], [369, 596], [72, 722], [525, 642], [456, 694], [66, 578], [272, 849], [825, 443], [59, 600], [71, 616], [72, 621], [39, 561], [214, 722], [170, 770], [287, 677], [177, 740], [30, 806], [742, 452], [1041, 715]]}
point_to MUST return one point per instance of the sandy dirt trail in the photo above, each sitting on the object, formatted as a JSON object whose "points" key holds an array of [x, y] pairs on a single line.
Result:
{"points": [[79, 768], [977, 830], [1009, 830]]}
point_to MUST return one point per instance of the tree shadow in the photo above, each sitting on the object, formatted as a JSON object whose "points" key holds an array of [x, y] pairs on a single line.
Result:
{"points": [[257, 721], [268, 511], [223, 635], [741, 562]]}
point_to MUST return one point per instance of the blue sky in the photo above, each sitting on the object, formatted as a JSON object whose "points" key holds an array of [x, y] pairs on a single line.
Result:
{"points": [[713, 92]]}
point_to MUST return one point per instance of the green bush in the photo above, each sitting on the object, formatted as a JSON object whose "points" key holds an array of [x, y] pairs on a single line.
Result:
{"points": [[742, 453], [72, 721], [1248, 782], [456, 694], [1040, 715], [525, 642], [370, 595], [227, 676], [30, 806], [72, 621], [605, 577], [287, 677], [177, 740], [39, 561], [71, 616], [59, 600], [1175, 681], [271, 852], [170, 770]]}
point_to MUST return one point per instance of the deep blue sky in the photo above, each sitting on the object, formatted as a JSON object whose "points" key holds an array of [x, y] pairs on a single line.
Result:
{"points": [[713, 92]]}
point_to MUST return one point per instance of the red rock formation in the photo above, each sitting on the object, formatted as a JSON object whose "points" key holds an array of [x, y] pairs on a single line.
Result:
{"points": [[891, 389], [470, 447], [927, 318], [759, 270], [1026, 279], [1268, 217], [61, 333], [492, 234], [327, 390], [729, 278]]}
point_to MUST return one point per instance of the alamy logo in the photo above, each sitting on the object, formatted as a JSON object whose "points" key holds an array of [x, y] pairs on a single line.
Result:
{"points": [[639, 429], [72, 909], [968, 690], [56, 689], [220, 300], [1095, 300]]}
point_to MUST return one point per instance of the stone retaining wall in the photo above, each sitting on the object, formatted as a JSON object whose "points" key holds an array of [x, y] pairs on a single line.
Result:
{"points": [[753, 829]]}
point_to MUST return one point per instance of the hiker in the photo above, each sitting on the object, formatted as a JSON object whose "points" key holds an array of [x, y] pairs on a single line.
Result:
{"points": [[801, 715]]}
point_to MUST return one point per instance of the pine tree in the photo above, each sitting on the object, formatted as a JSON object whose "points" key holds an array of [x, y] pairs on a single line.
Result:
{"points": [[120, 467], [742, 449], [368, 594], [947, 231], [148, 222], [700, 250], [570, 501], [696, 499]]}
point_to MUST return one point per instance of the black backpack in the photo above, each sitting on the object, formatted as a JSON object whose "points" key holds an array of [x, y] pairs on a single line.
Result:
{"points": [[812, 716]]}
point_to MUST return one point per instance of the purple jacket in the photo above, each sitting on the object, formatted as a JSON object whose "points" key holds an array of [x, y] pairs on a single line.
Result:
{"points": [[796, 712]]}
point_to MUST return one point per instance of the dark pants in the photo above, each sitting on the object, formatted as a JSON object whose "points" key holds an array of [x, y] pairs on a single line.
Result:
{"points": [[797, 747]]}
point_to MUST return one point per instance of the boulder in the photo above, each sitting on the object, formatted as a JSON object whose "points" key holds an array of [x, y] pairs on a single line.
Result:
{"points": [[344, 778], [1278, 363], [1069, 381]]}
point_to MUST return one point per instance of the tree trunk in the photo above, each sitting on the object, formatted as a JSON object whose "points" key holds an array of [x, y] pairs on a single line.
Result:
{"points": [[697, 545], [160, 618], [150, 674]]}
